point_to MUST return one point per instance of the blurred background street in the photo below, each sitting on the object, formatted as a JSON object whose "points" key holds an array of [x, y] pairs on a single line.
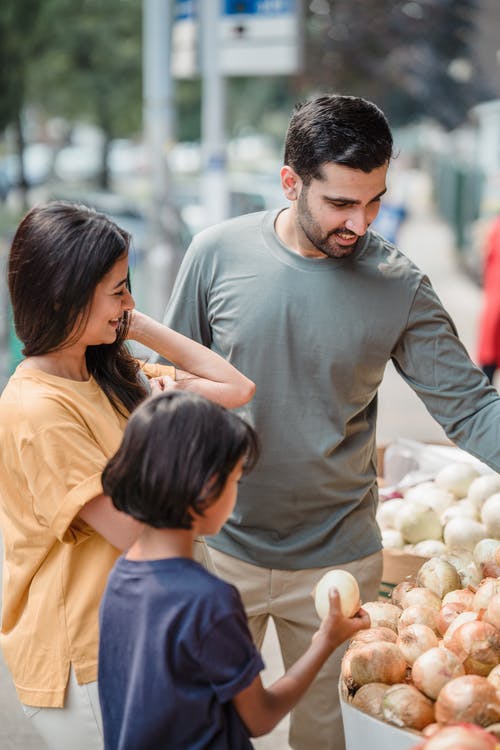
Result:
{"points": [[169, 116]]}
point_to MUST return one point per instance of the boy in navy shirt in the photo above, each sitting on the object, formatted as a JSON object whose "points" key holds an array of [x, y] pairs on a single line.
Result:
{"points": [[177, 665]]}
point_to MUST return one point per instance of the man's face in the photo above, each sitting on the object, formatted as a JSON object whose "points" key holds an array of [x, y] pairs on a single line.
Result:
{"points": [[333, 213]]}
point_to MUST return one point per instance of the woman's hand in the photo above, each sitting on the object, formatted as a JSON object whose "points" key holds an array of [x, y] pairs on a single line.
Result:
{"points": [[161, 384]]}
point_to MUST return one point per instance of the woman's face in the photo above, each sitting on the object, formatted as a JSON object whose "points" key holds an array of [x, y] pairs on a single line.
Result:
{"points": [[110, 301]]}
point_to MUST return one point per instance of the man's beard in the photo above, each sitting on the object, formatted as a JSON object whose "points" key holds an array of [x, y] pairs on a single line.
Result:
{"points": [[323, 243]]}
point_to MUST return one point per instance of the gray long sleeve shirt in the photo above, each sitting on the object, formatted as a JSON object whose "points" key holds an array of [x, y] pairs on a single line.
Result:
{"points": [[315, 335]]}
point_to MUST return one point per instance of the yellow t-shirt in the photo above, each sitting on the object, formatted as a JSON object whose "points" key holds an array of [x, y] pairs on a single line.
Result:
{"points": [[56, 436]]}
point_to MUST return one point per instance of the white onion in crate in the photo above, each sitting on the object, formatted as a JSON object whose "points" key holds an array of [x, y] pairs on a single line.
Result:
{"points": [[490, 515], [348, 589], [417, 523], [430, 548], [484, 551], [438, 576], [386, 512], [392, 539], [456, 478], [482, 487], [430, 495], [463, 533], [459, 509]]}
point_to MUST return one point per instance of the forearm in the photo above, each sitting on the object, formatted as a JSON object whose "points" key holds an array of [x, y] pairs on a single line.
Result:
{"points": [[119, 529], [214, 377]]}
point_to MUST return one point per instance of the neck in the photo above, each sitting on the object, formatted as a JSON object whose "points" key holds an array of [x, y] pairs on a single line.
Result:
{"points": [[66, 363], [158, 544], [289, 232]]}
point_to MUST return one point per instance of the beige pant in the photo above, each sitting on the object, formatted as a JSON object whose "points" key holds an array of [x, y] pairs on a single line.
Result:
{"points": [[285, 595], [77, 726]]}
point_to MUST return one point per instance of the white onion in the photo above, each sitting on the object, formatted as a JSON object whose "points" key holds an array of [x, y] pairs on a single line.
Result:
{"points": [[430, 548], [464, 596], [477, 645], [414, 640], [348, 589], [405, 706], [434, 668], [456, 478], [417, 523], [487, 589], [459, 509], [392, 539], [490, 515], [400, 590], [438, 576], [383, 615], [482, 487], [494, 676], [470, 698], [376, 662], [386, 512], [430, 495], [463, 533], [459, 737], [369, 698]]}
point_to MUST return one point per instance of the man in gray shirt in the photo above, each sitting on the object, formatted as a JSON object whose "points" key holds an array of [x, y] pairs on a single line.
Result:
{"points": [[311, 305]]}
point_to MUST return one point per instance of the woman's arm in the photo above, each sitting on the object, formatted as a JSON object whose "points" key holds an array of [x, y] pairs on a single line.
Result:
{"points": [[199, 369], [262, 708], [118, 528]]}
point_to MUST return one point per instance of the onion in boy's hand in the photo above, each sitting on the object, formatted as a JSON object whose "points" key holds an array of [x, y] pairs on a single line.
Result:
{"points": [[348, 590]]}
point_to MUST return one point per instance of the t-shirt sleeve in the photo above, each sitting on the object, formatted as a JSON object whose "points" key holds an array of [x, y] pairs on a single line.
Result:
{"points": [[435, 364], [156, 370], [63, 465], [229, 656]]}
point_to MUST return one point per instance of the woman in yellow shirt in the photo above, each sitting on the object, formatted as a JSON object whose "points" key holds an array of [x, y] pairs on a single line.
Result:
{"points": [[62, 415]]}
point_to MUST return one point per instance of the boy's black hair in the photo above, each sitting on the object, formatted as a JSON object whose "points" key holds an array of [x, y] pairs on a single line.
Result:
{"points": [[345, 130], [175, 457]]}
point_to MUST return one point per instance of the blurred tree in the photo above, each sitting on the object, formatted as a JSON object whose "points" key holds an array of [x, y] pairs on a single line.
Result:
{"points": [[412, 57], [90, 66], [19, 39]]}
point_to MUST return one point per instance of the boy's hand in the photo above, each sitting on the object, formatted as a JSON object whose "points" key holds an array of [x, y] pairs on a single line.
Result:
{"points": [[335, 628]]}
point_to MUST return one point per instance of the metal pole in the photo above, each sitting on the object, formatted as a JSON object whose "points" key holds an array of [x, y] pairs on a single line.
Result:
{"points": [[213, 117], [158, 109]]}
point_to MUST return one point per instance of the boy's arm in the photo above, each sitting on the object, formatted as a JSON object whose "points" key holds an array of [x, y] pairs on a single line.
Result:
{"points": [[262, 708]]}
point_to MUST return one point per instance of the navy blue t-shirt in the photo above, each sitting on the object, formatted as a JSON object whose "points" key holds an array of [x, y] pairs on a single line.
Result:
{"points": [[174, 649]]}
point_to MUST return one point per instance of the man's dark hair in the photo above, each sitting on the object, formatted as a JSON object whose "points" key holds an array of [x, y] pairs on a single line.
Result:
{"points": [[177, 452], [344, 130]]}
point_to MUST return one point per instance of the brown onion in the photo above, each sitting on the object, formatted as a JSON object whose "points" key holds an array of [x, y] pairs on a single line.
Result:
{"points": [[459, 620], [369, 698], [470, 698], [477, 645], [399, 590], [464, 596], [494, 676], [417, 614], [438, 576], [373, 634], [492, 614], [485, 591], [447, 614], [383, 615], [421, 596], [376, 662], [434, 668], [414, 640], [405, 706], [459, 737]]}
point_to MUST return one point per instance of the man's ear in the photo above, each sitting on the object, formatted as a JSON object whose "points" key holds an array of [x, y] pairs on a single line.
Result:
{"points": [[290, 182]]}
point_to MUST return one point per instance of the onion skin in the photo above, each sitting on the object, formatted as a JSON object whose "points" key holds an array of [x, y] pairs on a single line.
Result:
{"points": [[438, 576], [405, 706], [464, 596], [369, 699], [494, 677], [376, 662], [373, 635], [468, 699], [421, 596], [447, 614], [434, 669], [419, 615], [383, 615], [399, 591], [485, 591], [477, 645], [415, 640], [492, 614], [458, 737]]}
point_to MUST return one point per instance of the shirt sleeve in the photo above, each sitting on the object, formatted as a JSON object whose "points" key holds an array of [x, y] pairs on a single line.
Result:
{"points": [[156, 370], [430, 357], [187, 310], [228, 654], [63, 465]]}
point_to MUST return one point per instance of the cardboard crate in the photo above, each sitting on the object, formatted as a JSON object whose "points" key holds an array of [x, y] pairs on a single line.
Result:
{"points": [[363, 731]]}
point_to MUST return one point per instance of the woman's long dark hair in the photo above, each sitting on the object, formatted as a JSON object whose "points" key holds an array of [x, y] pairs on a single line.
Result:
{"points": [[59, 254]]}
